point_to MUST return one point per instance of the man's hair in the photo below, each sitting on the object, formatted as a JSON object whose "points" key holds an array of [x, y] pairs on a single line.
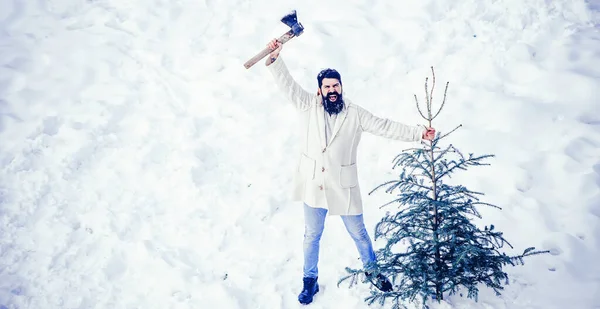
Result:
{"points": [[328, 73]]}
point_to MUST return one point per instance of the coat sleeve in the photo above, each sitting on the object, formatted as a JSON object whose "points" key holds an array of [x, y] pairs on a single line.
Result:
{"points": [[388, 128], [286, 83]]}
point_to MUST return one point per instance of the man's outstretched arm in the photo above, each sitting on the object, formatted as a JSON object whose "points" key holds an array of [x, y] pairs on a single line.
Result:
{"points": [[390, 129], [286, 83]]}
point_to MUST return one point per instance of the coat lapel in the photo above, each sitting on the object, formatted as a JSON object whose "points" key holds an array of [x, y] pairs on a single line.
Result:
{"points": [[321, 122], [341, 117]]}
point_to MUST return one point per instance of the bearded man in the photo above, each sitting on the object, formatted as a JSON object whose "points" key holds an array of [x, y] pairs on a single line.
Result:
{"points": [[326, 177]]}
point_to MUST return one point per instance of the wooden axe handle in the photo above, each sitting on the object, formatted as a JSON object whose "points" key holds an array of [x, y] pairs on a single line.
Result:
{"points": [[282, 39]]}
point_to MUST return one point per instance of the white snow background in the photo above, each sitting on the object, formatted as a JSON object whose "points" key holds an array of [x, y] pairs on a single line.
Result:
{"points": [[144, 167]]}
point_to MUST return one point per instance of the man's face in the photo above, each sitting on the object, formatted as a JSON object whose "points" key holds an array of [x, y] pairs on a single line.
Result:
{"points": [[331, 89]]}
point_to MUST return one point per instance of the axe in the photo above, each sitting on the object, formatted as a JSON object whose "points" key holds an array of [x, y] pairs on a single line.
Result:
{"points": [[296, 29]]}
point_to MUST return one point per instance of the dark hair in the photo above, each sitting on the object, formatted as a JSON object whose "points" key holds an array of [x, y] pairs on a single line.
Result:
{"points": [[328, 73]]}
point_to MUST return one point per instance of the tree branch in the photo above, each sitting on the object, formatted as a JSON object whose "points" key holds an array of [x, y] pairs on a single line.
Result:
{"points": [[460, 125], [419, 108], [431, 93], [443, 101]]}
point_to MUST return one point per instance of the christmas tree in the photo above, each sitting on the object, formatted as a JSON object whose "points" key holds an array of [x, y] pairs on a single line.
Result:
{"points": [[444, 251]]}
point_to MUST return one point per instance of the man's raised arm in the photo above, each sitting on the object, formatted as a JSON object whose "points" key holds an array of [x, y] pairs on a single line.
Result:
{"points": [[388, 128], [293, 91]]}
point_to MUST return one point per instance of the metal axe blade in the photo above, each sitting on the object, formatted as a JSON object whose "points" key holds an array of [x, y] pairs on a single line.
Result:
{"points": [[291, 20]]}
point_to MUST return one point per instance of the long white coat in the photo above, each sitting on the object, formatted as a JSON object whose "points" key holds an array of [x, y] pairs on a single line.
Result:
{"points": [[326, 176]]}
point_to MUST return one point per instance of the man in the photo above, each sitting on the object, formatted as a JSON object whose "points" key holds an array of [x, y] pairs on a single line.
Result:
{"points": [[326, 177]]}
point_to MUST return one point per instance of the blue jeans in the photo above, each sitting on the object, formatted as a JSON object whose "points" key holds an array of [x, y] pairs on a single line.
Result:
{"points": [[314, 222]]}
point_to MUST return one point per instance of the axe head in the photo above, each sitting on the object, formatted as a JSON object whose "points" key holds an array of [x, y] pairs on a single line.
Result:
{"points": [[292, 21]]}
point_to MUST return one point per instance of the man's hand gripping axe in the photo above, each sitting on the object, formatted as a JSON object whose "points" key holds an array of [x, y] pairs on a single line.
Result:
{"points": [[296, 29]]}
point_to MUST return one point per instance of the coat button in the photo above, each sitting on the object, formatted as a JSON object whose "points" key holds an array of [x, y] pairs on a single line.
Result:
{"points": [[321, 188], [322, 169], [324, 150]]}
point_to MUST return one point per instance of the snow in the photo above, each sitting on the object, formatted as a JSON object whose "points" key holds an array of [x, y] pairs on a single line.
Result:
{"points": [[144, 167]]}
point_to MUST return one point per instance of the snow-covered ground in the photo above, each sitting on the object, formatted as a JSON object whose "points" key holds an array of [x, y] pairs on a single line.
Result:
{"points": [[142, 166]]}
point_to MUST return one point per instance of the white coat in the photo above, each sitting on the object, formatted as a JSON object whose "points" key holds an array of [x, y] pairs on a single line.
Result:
{"points": [[326, 176]]}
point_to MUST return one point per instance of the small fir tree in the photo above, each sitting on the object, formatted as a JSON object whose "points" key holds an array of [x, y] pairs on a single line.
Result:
{"points": [[446, 251]]}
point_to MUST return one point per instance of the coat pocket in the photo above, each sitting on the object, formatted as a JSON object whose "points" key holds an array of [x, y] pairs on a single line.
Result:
{"points": [[307, 167], [349, 176]]}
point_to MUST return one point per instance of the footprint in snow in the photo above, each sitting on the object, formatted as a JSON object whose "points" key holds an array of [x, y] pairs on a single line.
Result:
{"points": [[582, 149], [4, 116], [594, 203], [597, 170], [591, 119], [115, 268], [51, 125], [202, 125], [13, 11]]}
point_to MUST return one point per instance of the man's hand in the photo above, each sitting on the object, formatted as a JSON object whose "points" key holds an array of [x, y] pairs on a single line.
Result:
{"points": [[428, 134], [276, 47]]}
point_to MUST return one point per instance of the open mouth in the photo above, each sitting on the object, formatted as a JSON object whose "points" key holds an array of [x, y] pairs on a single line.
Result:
{"points": [[332, 97]]}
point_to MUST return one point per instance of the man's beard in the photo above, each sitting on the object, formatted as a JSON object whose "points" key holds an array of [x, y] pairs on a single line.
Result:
{"points": [[333, 107]]}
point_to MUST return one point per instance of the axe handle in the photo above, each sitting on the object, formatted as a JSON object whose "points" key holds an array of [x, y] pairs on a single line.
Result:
{"points": [[282, 39]]}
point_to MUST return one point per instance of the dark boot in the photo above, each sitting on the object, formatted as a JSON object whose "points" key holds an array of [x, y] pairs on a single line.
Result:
{"points": [[380, 281], [311, 287]]}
